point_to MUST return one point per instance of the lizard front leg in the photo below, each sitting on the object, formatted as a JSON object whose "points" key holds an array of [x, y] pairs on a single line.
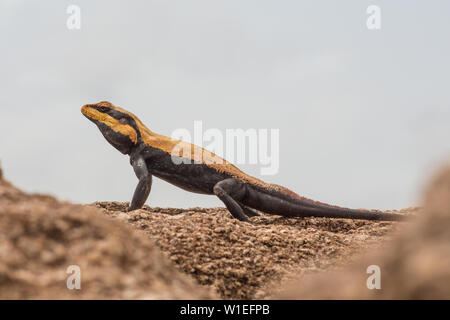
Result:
{"points": [[231, 192], [145, 183]]}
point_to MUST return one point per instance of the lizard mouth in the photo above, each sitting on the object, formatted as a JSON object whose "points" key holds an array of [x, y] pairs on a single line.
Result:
{"points": [[89, 112]]}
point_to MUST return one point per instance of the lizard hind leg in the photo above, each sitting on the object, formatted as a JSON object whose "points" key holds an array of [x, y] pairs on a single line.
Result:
{"points": [[231, 192], [249, 211]]}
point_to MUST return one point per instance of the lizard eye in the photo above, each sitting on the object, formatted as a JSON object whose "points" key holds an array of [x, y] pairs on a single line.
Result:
{"points": [[123, 120], [103, 109]]}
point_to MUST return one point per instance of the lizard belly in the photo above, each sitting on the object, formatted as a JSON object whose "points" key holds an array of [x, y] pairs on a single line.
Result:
{"points": [[193, 177], [185, 184], [198, 178]]}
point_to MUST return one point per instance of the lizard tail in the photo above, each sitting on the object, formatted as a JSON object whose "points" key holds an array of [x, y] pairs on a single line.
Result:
{"points": [[293, 205], [306, 208]]}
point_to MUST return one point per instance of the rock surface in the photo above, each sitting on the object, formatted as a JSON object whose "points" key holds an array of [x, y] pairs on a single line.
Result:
{"points": [[41, 237], [249, 260], [163, 253], [414, 266]]}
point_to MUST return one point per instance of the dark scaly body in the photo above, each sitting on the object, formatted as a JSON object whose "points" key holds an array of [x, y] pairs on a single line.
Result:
{"points": [[152, 154]]}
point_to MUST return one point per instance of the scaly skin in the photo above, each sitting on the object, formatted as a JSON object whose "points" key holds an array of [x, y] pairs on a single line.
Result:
{"points": [[198, 170]]}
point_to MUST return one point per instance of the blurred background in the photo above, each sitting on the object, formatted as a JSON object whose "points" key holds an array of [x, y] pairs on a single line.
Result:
{"points": [[363, 114]]}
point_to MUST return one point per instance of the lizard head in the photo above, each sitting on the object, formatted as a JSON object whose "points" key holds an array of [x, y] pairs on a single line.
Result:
{"points": [[117, 125]]}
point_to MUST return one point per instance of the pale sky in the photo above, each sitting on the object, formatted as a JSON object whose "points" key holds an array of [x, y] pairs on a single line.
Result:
{"points": [[363, 115]]}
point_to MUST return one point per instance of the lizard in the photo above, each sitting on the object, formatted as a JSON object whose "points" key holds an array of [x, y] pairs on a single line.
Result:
{"points": [[198, 170]]}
